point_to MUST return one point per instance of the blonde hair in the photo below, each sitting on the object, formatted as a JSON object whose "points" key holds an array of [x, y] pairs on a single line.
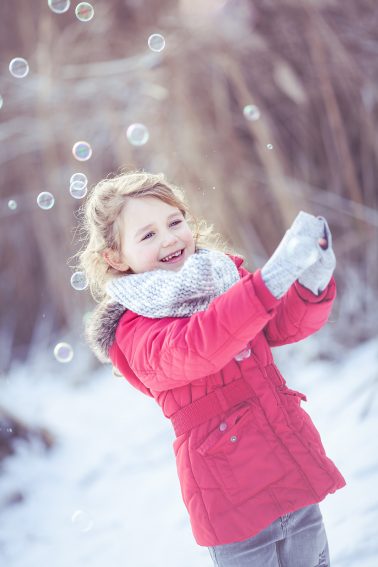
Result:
{"points": [[100, 230]]}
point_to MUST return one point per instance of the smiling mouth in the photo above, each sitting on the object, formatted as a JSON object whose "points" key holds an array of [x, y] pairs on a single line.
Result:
{"points": [[173, 258]]}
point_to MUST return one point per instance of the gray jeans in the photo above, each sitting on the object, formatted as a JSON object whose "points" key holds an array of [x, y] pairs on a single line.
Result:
{"points": [[297, 539]]}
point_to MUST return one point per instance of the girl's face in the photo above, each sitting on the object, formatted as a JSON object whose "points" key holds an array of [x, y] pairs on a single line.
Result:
{"points": [[150, 229]]}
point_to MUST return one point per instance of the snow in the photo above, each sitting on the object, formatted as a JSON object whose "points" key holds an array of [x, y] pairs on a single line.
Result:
{"points": [[107, 492]]}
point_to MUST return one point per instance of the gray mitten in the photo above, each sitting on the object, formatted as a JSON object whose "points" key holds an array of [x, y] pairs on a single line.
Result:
{"points": [[298, 250], [317, 277]]}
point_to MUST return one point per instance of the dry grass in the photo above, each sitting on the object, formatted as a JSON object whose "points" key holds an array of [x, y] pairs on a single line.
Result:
{"points": [[311, 68]]}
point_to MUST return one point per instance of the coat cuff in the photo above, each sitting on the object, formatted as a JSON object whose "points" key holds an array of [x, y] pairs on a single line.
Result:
{"points": [[329, 293], [262, 292]]}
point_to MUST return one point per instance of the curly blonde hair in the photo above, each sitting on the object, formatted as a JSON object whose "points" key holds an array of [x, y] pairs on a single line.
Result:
{"points": [[99, 228]]}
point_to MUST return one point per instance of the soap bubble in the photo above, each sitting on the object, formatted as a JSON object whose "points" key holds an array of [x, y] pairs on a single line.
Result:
{"points": [[79, 281], [12, 204], [84, 11], [19, 67], [269, 146], [59, 6], [137, 134], [45, 200], [79, 177], [82, 151], [251, 112], [1, 101], [78, 190], [156, 42], [82, 521], [63, 352]]}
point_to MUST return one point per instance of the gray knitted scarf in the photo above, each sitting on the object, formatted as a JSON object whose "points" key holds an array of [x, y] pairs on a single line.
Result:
{"points": [[168, 293]]}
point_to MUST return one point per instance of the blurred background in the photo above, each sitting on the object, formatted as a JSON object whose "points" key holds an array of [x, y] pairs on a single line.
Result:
{"points": [[257, 108]]}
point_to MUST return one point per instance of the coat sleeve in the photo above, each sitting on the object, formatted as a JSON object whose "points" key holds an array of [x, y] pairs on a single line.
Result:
{"points": [[300, 314], [172, 352]]}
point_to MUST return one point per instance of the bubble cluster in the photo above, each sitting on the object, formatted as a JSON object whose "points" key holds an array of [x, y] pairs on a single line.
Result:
{"points": [[19, 67], [251, 112], [84, 11], [82, 151], [59, 6], [137, 134], [79, 281], [82, 521], [63, 352], [12, 204], [45, 200], [156, 42]]}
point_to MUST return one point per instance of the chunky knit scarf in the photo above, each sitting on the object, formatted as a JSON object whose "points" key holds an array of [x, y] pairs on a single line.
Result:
{"points": [[168, 293]]}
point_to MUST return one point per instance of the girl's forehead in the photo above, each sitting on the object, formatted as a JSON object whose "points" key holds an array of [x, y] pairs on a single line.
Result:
{"points": [[147, 205]]}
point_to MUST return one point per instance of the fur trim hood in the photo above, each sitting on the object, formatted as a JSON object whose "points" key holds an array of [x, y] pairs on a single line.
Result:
{"points": [[101, 328]]}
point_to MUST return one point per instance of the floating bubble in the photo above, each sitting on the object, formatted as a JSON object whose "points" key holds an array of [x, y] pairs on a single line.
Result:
{"points": [[82, 151], [269, 146], [19, 67], [12, 204], [84, 11], [59, 6], [78, 190], [79, 281], [251, 112], [63, 352], [1, 101], [76, 177], [137, 134], [82, 521], [156, 42], [45, 200]]}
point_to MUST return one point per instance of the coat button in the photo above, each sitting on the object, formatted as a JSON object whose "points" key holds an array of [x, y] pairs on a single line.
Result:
{"points": [[223, 426], [233, 438]]}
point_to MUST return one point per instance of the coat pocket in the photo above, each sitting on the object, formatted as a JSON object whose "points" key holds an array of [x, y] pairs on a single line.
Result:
{"points": [[244, 458]]}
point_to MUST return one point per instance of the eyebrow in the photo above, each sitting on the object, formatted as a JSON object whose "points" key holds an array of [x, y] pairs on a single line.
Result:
{"points": [[149, 225]]}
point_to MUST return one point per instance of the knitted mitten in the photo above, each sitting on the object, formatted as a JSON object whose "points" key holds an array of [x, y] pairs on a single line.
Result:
{"points": [[317, 277], [298, 250]]}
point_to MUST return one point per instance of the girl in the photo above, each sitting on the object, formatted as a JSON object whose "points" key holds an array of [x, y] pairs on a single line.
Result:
{"points": [[185, 323]]}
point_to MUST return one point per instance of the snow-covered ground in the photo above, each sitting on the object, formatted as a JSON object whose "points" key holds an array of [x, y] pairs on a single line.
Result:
{"points": [[107, 493]]}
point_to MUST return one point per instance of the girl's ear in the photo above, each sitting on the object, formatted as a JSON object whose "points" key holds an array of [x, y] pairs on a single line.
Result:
{"points": [[111, 257]]}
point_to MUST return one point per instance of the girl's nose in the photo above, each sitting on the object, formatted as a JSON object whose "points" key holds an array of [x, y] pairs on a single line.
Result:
{"points": [[169, 239]]}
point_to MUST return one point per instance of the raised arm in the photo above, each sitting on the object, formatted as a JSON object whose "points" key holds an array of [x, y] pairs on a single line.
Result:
{"points": [[171, 352]]}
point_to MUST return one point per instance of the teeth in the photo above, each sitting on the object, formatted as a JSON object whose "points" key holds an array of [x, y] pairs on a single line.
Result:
{"points": [[171, 256]]}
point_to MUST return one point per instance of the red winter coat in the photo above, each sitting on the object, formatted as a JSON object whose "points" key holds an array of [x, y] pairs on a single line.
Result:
{"points": [[242, 469]]}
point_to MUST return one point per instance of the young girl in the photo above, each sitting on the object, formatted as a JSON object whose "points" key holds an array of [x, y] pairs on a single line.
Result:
{"points": [[185, 323]]}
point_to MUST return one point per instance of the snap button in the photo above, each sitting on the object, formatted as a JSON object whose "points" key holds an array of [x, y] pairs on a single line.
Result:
{"points": [[245, 353], [233, 438], [223, 426]]}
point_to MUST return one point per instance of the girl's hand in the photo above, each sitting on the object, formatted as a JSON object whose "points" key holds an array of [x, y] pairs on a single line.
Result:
{"points": [[323, 243], [299, 249], [317, 277]]}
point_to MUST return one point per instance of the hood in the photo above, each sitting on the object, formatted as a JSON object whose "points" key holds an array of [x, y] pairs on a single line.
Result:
{"points": [[101, 328]]}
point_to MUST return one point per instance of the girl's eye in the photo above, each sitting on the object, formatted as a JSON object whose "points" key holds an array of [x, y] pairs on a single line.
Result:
{"points": [[174, 222]]}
